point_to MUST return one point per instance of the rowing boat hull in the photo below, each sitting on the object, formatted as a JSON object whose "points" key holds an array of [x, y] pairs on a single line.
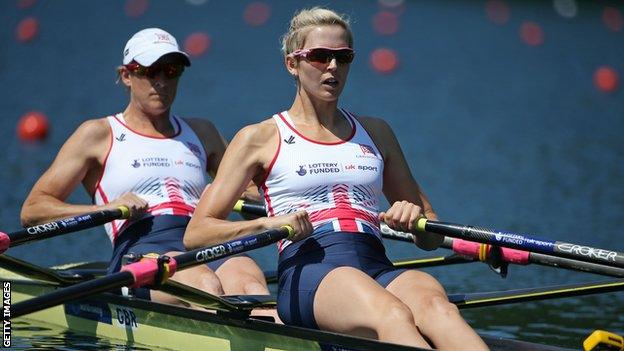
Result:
{"points": [[135, 321], [153, 324]]}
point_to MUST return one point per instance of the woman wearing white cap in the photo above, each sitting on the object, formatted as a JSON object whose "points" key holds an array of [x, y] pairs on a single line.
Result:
{"points": [[150, 161]]}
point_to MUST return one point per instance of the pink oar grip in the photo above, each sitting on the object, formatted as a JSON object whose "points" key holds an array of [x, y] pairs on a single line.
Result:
{"points": [[5, 242], [471, 249], [467, 248], [515, 256], [145, 271]]}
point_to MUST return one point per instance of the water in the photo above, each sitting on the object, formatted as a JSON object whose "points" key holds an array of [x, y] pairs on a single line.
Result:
{"points": [[43, 337], [497, 132]]}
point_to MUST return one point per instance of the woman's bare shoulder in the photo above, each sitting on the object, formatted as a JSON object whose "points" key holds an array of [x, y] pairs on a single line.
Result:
{"points": [[93, 130], [257, 133]]}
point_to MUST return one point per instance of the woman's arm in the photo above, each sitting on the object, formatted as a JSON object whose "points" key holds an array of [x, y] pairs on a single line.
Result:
{"points": [[246, 158], [408, 201]]}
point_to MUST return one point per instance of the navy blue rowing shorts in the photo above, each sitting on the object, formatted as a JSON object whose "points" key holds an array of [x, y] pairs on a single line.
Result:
{"points": [[304, 264]]}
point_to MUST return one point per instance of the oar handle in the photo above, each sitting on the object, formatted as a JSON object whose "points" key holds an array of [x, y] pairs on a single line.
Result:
{"points": [[61, 226], [524, 242], [253, 208]]}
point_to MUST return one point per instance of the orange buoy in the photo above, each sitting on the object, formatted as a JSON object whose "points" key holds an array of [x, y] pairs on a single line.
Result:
{"points": [[606, 79], [27, 29], [384, 60], [32, 126], [197, 43]]}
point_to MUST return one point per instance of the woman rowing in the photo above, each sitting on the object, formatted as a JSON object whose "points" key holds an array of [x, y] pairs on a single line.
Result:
{"points": [[150, 161], [321, 170]]}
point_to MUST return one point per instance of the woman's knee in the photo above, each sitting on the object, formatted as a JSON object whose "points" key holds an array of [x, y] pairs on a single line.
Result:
{"points": [[201, 278], [210, 283], [254, 287], [439, 306], [395, 313], [243, 284]]}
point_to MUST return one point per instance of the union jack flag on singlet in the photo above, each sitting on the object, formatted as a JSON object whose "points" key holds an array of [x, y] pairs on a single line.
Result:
{"points": [[338, 184]]}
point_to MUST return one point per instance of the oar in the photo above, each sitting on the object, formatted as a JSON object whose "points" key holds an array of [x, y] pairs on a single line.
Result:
{"points": [[530, 294], [145, 272], [61, 226], [524, 242], [248, 207], [33, 271], [482, 252]]}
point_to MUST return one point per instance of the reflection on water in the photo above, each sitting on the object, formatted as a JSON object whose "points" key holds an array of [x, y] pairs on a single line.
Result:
{"points": [[26, 336]]}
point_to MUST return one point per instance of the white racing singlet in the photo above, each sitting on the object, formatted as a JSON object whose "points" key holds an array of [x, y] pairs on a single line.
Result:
{"points": [[169, 173], [338, 183]]}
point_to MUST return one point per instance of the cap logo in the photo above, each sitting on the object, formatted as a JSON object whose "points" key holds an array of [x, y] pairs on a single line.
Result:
{"points": [[126, 52], [163, 37]]}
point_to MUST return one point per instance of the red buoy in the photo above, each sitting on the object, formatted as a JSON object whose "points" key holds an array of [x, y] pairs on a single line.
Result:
{"points": [[606, 79], [531, 33], [32, 126], [197, 43], [497, 11], [386, 22], [27, 29], [24, 4], [612, 18], [136, 8], [257, 13], [384, 60]]}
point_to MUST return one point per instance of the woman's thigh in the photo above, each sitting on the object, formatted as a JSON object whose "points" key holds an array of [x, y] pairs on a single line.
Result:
{"points": [[362, 303]]}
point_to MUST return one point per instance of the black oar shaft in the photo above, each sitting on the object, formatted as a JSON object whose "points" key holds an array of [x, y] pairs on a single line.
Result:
{"points": [[575, 265], [73, 292], [526, 243], [229, 248], [66, 225]]}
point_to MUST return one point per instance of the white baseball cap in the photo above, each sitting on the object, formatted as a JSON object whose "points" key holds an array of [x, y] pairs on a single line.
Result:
{"points": [[148, 45]]}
